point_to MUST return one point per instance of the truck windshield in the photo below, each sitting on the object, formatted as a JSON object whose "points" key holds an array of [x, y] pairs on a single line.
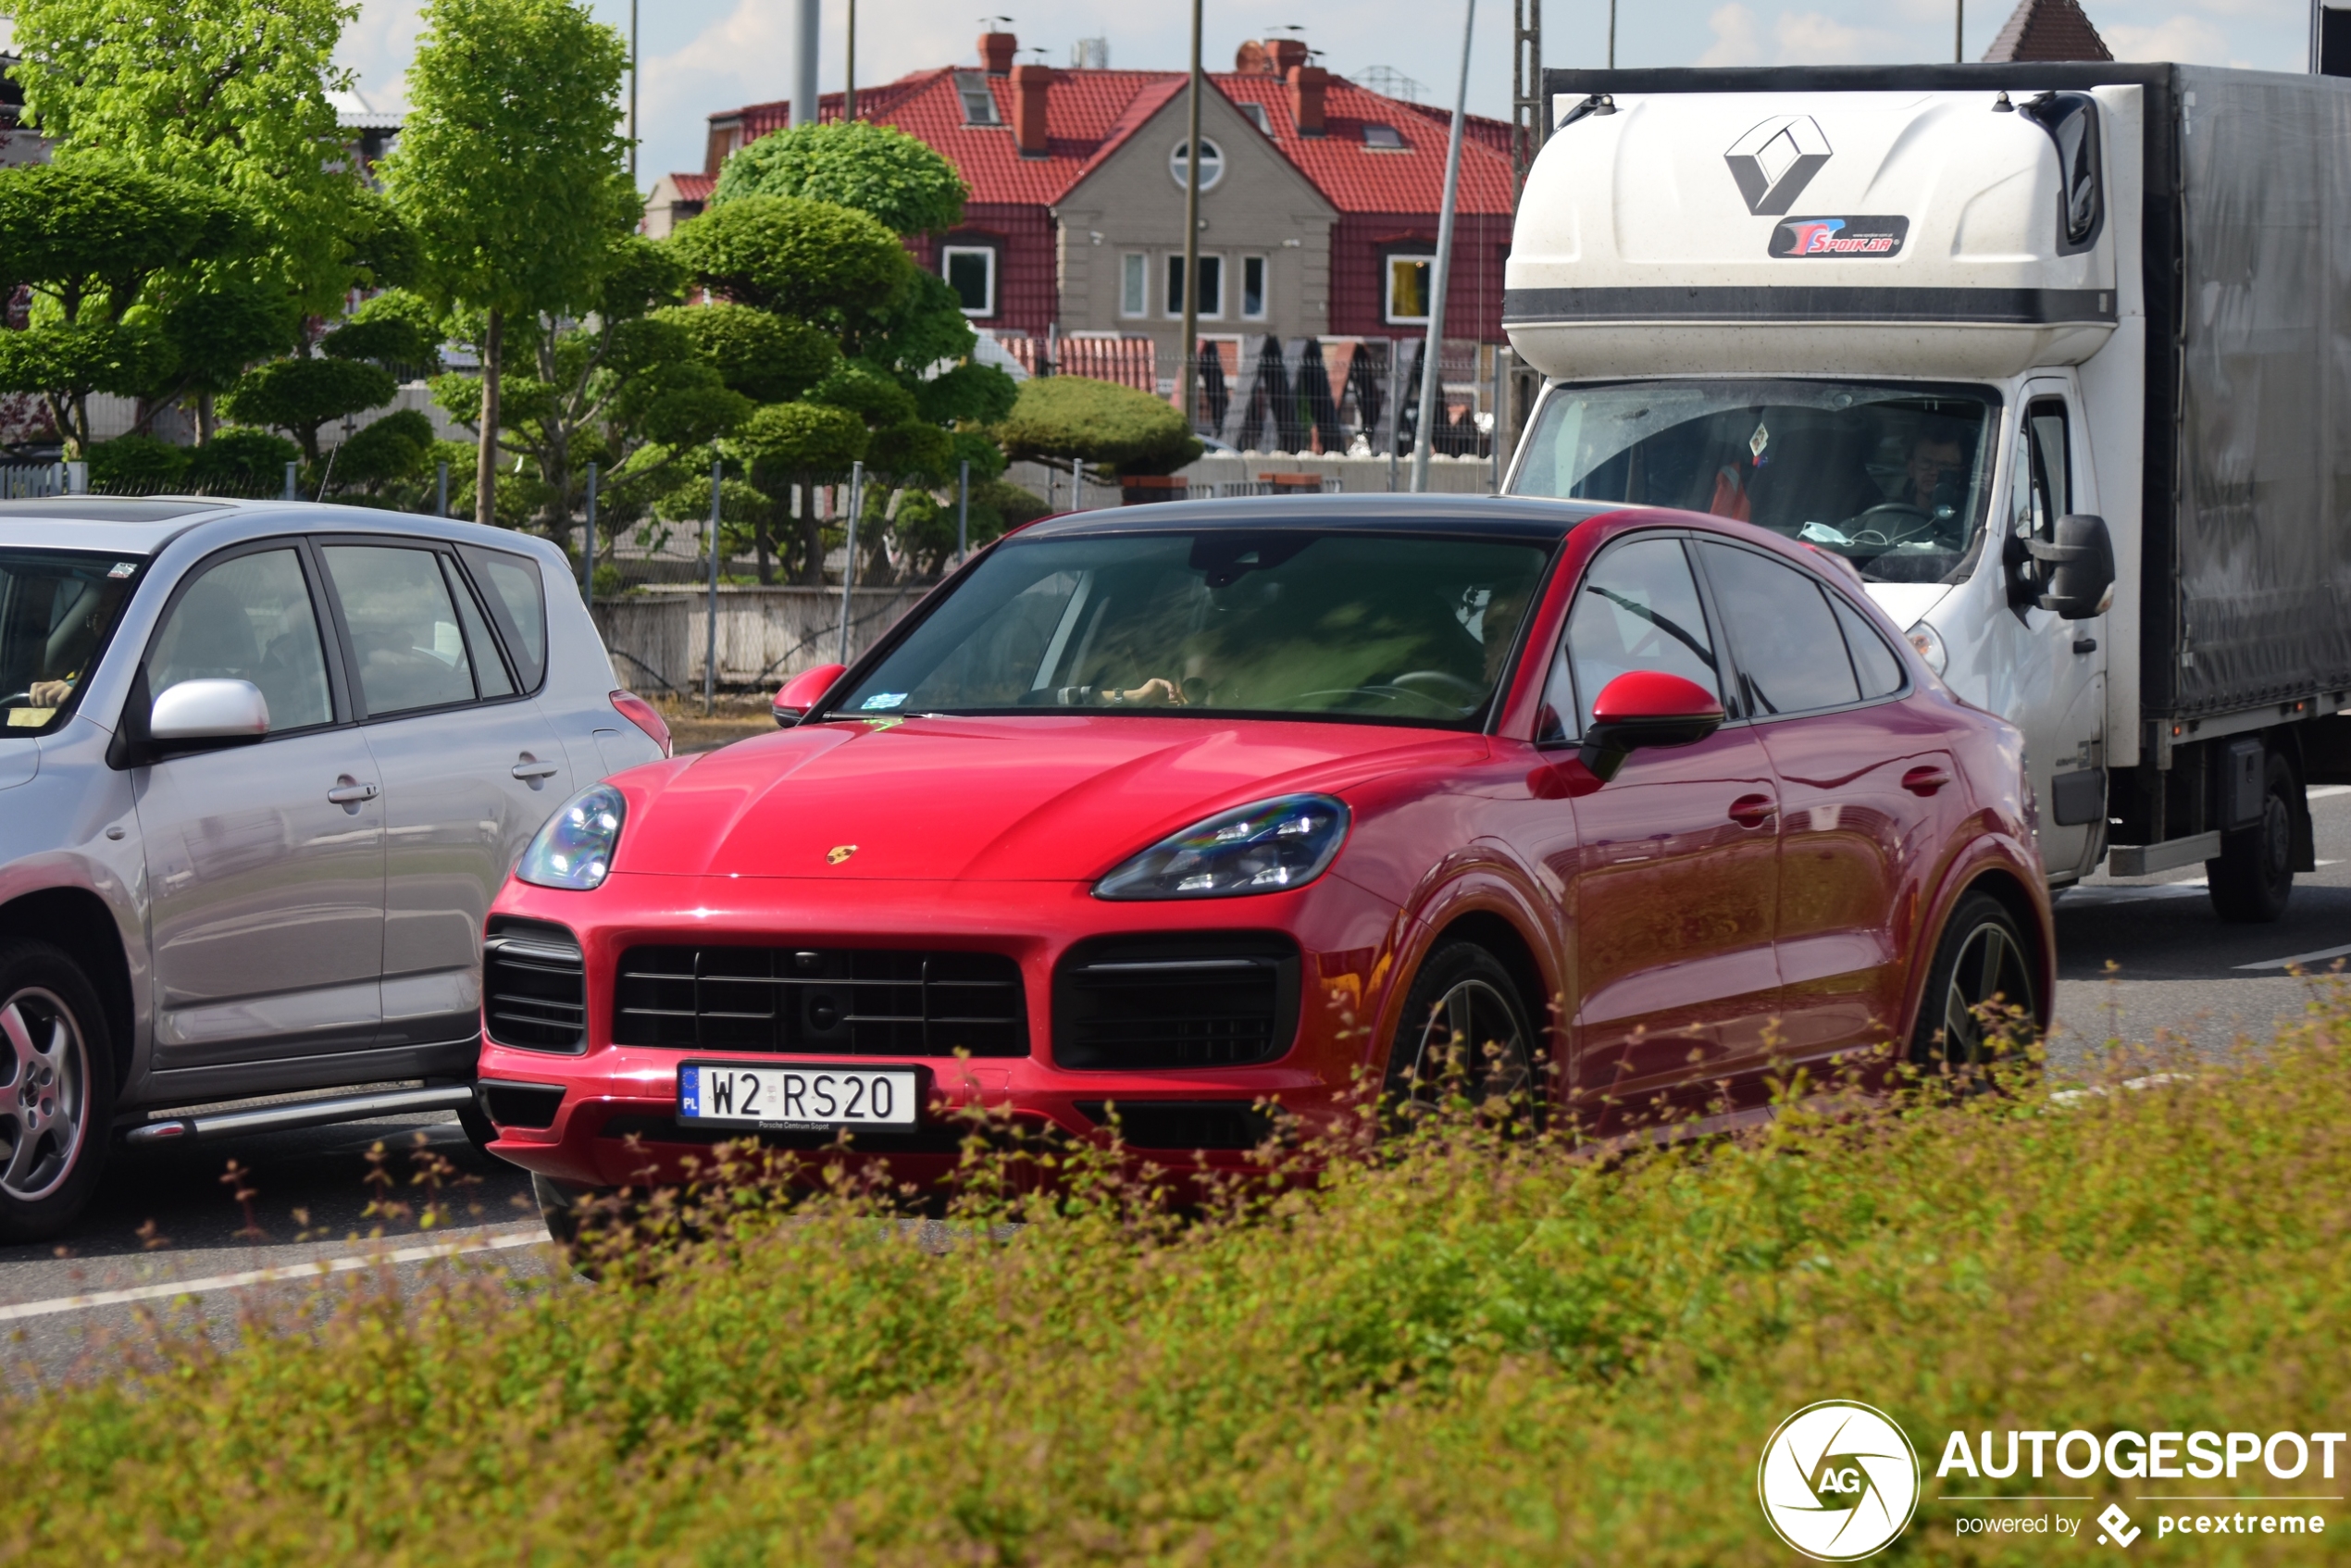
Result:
{"points": [[1892, 477], [55, 609]]}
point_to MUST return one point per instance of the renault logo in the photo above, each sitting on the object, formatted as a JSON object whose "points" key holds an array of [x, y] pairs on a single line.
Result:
{"points": [[1774, 162]]}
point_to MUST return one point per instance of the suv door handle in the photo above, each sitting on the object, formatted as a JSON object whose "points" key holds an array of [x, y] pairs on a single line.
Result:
{"points": [[1752, 811], [348, 793], [1925, 780], [534, 771]]}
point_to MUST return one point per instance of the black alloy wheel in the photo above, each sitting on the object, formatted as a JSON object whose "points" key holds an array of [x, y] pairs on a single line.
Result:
{"points": [[1462, 1034], [1980, 1001], [2252, 875]]}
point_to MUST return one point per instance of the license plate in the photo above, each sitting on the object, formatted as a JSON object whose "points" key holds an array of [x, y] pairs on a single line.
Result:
{"points": [[768, 1095]]}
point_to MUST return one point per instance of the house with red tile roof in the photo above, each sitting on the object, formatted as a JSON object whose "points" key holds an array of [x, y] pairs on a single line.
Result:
{"points": [[1319, 203]]}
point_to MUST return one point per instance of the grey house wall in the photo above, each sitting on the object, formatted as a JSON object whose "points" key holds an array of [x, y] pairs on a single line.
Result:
{"points": [[1262, 206]]}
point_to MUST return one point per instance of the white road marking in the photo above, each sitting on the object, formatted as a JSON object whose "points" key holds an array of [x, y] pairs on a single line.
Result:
{"points": [[2305, 959], [320, 1269]]}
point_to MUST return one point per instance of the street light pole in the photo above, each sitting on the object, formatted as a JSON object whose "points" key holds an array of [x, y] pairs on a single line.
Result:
{"points": [[804, 65], [1440, 271], [848, 92], [1190, 347], [1958, 33], [632, 92]]}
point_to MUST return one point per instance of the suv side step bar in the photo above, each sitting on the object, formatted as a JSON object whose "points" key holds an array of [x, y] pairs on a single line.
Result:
{"points": [[2146, 860], [302, 1113]]}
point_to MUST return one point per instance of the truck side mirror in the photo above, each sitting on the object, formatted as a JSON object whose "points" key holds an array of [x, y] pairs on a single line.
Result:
{"points": [[2082, 567]]}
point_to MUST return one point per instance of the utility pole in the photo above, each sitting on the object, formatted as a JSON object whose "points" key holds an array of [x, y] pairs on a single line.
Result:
{"points": [[1612, 34], [1431, 413], [848, 92], [633, 58], [1191, 233], [804, 65], [1527, 121]]}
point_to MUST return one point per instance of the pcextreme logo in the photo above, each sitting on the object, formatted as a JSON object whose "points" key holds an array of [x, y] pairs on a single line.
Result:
{"points": [[1838, 1481]]}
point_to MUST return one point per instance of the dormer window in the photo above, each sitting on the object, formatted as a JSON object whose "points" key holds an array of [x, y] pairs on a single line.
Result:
{"points": [[1258, 117], [979, 103], [1383, 139]]}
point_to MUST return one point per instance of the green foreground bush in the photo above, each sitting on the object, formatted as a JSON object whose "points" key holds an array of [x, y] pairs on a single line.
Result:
{"points": [[1462, 1351]]}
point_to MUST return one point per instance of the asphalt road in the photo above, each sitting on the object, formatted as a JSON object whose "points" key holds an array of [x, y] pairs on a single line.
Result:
{"points": [[2144, 960]]}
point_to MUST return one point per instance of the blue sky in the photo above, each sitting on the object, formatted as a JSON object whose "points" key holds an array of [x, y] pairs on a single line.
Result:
{"points": [[701, 55]]}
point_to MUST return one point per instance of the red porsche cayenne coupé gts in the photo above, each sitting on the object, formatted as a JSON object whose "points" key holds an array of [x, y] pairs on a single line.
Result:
{"points": [[1181, 808]]}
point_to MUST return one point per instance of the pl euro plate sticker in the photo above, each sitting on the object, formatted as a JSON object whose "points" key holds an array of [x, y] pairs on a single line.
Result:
{"points": [[1839, 238]]}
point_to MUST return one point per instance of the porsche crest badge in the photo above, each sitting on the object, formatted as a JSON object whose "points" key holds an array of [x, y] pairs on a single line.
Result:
{"points": [[839, 852]]}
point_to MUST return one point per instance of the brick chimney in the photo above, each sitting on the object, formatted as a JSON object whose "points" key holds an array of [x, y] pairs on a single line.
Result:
{"points": [[1287, 54], [1307, 85], [996, 51], [1031, 86]]}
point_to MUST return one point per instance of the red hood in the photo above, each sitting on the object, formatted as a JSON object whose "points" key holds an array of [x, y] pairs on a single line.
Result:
{"points": [[1057, 800]]}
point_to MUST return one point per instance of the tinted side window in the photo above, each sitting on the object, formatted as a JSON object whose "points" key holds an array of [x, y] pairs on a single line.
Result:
{"points": [[1791, 656], [248, 619], [1880, 671], [1637, 609], [521, 604], [403, 627], [488, 670]]}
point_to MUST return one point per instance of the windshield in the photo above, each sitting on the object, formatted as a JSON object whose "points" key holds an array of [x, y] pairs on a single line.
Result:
{"points": [[1893, 478], [55, 609], [1272, 622]]}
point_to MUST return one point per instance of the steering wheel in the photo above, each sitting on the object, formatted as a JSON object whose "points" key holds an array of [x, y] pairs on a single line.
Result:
{"points": [[1448, 686], [1861, 528], [24, 696]]}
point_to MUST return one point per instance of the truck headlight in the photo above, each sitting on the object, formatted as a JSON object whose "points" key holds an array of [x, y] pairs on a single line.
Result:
{"points": [[1266, 847], [574, 849], [1929, 642]]}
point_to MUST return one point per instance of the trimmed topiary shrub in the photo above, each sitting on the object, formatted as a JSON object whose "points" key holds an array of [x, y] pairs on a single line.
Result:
{"points": [[1059, 418]]}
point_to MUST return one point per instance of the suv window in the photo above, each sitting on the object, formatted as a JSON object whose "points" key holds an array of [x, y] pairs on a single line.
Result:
{"points": [[405, 638], [1637, 609], [55, 610], [518, 602], [1791, 656], [249, 619], [1873, 662]]}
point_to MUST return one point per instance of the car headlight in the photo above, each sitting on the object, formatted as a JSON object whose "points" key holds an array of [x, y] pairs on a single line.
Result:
{"points": [[574, 849], [1285, 842], [1929, 642]]}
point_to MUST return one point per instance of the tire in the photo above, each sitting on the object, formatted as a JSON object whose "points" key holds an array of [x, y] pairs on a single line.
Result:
{"points": [[1983, 958], [559, 1206], [2252, 875], [57, 1091], [1463, 1032]]}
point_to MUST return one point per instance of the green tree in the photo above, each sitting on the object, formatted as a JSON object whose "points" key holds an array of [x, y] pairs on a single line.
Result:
{"points": [[809, 260], [510, 171], [876, 169], [230, 95], [91, 239], [767, 359], [789, 449], [302, 394], [395, 449], [238, 462], [1059, 418]]}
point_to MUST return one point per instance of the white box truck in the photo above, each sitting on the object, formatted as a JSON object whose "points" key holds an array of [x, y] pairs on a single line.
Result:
{"points": [[2057, 356]]}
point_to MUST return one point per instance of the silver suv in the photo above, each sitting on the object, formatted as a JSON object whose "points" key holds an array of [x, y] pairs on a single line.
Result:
{"points": [[262, 768]]}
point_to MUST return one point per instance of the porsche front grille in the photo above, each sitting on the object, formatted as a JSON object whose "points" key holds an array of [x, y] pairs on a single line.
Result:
{"points": [[829, 1002]]}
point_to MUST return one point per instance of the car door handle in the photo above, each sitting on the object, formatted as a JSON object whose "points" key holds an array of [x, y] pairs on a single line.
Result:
{"points": [[1752, 811], [349, 793], [534, 771], [1925, 780]]}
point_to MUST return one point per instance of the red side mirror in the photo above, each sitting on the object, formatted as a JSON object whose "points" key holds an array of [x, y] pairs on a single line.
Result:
{"points": [[803, 691], [1645, 708]]}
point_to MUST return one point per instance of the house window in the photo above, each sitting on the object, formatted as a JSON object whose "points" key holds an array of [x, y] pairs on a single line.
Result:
{"points": [[979, 103], [1253, 287], [1408, 285], [970, 270], [1212, 163], [1212, 287], [1383, 139], [1258, 117], [1134, 285]]}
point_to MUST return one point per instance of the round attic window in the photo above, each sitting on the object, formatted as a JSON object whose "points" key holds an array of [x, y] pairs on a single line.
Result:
{"points": [[1211, 164]]}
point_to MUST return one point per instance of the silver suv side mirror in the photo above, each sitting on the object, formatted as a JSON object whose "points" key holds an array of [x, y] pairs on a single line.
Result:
{"points": [[210, 710]]}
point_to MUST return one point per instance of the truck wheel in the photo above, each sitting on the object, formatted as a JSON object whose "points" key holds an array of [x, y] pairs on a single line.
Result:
{"points": [[1462, 1022], [2254, 873], [1978, 1004], [57, 1091]]}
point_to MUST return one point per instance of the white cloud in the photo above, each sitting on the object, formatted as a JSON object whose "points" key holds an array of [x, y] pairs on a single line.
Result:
{"points": [[1809, 38], [1739, 40], [2186, 39]]}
